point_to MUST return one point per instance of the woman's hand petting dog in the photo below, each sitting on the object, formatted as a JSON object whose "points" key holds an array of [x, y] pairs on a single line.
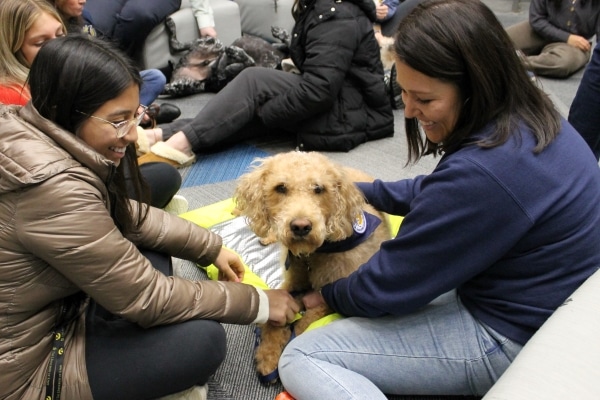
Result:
{"points": [[282, 307], [229, 265], [313, 299]]}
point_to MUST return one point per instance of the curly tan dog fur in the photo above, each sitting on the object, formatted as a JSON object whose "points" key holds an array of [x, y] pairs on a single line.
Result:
{"points": [[303, 200]]}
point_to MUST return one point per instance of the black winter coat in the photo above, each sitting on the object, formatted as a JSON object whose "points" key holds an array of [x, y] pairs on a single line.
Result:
{"points": [[341, 100]]}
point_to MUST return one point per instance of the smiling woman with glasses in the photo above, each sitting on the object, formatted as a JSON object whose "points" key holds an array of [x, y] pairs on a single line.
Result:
{"points": [[88, 270]]}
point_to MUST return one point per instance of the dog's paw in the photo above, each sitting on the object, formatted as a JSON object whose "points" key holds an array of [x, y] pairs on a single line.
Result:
{"points": [[267, 240], [280, 33], [269, 348], [238, 55], [267, 359], [184, 87]]}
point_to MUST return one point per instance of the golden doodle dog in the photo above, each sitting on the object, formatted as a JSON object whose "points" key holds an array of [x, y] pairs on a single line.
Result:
{"points": [[311, 206]]}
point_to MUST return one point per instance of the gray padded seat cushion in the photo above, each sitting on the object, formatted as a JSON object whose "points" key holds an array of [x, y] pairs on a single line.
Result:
{"points": [[259, 15]]}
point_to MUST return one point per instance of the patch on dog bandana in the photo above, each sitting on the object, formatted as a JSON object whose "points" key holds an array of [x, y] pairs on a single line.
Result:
{"points": [[364, 225], [360, 223]]}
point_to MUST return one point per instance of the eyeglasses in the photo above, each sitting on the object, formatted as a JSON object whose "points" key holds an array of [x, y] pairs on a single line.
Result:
{"points": [[122, 127]]}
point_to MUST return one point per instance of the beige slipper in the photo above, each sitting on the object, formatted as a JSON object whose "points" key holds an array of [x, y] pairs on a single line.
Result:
{"points": [[142, 146], [193, 393], [162, 152], [177, 205]]}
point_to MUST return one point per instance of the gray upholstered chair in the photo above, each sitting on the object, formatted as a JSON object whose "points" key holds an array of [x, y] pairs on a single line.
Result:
{"points": [[259, 15], [157, 53], [562, 360]]}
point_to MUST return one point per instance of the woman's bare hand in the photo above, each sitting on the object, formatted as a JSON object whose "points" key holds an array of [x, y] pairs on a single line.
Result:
{"points": [[282, 307], [229, 265], [312, 299], [579, 42], [382, 11]]}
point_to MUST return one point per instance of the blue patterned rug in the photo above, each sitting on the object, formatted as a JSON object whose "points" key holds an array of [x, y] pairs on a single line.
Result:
{"points": [[226, 165]]}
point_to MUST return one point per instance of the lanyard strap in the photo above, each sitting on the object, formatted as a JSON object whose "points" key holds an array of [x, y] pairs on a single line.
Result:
{"points": [[55, 363]]}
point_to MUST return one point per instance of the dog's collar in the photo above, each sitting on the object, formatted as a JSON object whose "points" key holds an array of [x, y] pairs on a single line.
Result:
{"points": [[362, 228]]}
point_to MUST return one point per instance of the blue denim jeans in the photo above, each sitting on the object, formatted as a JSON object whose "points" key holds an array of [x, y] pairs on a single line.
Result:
{"points": [[128, 22], [152, 86], [440, 349], [584, 114]]}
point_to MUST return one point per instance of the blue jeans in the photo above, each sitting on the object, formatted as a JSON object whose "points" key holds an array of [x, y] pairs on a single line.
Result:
{"points": [[440, 349], [584, 114], [152, 86], [128, 22]]}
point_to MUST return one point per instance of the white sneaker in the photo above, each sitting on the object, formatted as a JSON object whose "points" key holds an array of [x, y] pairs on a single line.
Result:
{"points": [[193, 393], [177, 205]]}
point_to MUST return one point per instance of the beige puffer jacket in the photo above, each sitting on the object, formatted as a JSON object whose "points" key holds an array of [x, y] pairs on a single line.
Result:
{"points": [[57, 238]]}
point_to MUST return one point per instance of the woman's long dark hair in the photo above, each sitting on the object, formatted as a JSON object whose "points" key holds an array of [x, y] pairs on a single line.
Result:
{"points": [[79, 72], [462, 42]]}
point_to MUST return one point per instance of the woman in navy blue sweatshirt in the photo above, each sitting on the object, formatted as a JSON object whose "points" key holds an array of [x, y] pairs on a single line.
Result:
{"points": [[493, 241]]}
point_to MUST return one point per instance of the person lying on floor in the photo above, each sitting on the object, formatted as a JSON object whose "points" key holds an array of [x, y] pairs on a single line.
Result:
{"points": [[90, 307], [337, 102]]}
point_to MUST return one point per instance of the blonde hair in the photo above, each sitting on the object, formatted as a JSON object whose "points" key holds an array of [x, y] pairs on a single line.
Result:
{"points": [[16, 18]]}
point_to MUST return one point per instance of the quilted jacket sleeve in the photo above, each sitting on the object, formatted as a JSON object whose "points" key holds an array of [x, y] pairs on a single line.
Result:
{"points": [[74, 233]]}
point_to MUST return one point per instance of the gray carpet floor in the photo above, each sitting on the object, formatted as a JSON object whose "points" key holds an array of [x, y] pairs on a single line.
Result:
{"points": [[385, 159]]}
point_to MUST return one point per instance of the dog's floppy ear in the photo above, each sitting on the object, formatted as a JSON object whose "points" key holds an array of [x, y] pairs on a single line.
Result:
{"points": [[249, 198], [349, 203]]}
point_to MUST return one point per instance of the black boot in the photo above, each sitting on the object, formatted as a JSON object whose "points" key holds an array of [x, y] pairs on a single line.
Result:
{"points": [[167, 113]]}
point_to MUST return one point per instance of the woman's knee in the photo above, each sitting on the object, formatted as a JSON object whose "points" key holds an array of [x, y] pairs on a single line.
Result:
{"points": [[289, 360], [153, 77], [211, 334], [164, 181], [301, 350], [201, 347]]}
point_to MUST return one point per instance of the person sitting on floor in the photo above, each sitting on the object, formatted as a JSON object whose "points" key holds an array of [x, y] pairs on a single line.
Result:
{"points": [[556, 37], [26, 25], [493, 241], [90, 307], [584, 113], [337, 102]]}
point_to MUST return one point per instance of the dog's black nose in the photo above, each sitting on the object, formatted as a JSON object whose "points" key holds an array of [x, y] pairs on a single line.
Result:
{"points": [[301, 226]]}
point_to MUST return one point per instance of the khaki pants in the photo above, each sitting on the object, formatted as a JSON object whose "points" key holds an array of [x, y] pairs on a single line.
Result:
{"points": [[556, 60]]}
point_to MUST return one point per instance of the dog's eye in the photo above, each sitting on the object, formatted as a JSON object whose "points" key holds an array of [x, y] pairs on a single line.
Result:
{"points": [[318, 189], [281, 188]]}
